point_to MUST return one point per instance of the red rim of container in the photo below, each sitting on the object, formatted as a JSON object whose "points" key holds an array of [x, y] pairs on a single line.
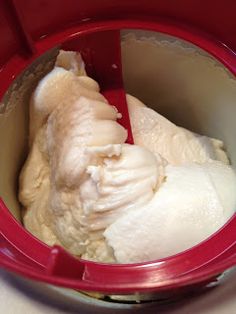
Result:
{"points": [[197, 264]]}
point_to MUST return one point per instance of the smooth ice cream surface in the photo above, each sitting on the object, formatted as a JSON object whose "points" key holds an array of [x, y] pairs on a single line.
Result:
{"points": [[84, 188], [190, 205]]}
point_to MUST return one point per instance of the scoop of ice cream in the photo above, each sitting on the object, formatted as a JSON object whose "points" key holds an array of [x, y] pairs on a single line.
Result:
{"points": [[85, 189], [193, 202], [162, 137]]}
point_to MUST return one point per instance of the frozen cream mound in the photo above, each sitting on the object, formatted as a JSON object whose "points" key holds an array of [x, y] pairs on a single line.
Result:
{"points": [[78, 175], [193, 202], [85, 189]]}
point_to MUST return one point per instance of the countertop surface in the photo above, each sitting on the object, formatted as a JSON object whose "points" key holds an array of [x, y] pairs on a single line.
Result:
{"points": [[18, 295]]}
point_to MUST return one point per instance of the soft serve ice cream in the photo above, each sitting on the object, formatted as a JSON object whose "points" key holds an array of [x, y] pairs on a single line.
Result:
{"points": [[189, 206], [84, 188]]}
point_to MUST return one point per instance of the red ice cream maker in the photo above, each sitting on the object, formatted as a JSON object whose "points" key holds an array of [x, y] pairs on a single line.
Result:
{"points": [[28, 30]]}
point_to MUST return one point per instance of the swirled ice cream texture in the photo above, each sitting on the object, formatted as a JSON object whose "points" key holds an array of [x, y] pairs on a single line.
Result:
{"points": [[102, 199]]}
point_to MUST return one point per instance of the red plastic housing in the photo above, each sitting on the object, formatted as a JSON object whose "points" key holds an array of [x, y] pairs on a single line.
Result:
{"points": [[32, 27]]}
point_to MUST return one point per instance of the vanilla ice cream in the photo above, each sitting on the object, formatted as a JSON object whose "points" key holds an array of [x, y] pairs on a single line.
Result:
{"points": [[193, 202], [84, 188]]}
